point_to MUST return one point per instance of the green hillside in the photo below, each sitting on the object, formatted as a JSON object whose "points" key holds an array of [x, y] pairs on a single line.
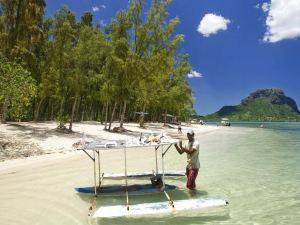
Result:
{"points": [[261, 105]]}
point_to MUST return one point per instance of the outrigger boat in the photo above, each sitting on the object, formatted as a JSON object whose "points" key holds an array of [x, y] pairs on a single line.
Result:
{"points": [[93, 149]]}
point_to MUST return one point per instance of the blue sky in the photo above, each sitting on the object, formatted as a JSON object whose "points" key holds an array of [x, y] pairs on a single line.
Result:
{"points": [[241, 46]]}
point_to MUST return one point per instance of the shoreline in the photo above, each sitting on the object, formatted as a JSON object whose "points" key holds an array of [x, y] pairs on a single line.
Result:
{"points": [[43, 142]]}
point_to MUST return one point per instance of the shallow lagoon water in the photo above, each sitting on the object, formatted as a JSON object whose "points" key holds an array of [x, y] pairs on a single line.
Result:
{"points": [[256, 170]]}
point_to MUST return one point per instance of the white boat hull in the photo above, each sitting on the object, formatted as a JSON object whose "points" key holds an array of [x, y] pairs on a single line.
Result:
{"points": [[157, 208], [143, 174]]}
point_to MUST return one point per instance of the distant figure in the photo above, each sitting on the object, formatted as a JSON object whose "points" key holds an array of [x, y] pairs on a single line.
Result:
{"points": [[179, 128], [193, 162]]}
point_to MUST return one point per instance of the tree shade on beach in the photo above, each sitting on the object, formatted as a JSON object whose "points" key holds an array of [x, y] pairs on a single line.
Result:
{"points": [[78, 70]]}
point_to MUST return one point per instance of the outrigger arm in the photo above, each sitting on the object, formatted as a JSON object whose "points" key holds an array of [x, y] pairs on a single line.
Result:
{"points": [[96, 160]]}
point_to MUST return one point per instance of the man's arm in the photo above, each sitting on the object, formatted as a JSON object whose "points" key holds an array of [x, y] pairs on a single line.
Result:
{"points": [[178, 148], [189, 150]]}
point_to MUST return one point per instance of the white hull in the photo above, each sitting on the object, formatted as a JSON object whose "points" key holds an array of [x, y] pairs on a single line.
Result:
{"points": [[157, 208], [143, 174]]}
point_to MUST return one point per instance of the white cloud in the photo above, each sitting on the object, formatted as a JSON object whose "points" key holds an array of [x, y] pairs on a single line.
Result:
{"points": [[257, 6], [283, 20], [95, 8], [194, 74], [211, 24], [265, 7], [102, 23]]}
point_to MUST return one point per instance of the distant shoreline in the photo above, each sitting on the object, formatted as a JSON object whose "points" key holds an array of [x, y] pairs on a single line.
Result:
{"points": [[254, 121]]}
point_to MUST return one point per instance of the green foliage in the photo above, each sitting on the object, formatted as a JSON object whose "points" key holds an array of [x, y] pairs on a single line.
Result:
{"points": [[21, 32], [83, 71], [17, 88], [161, 85], [261, 105]]}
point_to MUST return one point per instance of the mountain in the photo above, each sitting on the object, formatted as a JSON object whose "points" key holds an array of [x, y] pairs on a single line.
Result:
{"points": [[262, 105]]}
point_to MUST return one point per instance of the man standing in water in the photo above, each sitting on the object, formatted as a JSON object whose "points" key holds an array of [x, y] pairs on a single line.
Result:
{"points": [[193, 163]]}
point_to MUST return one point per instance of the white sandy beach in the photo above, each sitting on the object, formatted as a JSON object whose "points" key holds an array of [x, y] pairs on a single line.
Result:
{"points": [[33, 143]]}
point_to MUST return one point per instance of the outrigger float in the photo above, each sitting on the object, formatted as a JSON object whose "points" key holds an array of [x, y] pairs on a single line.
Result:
{"points": [[93, 149]]}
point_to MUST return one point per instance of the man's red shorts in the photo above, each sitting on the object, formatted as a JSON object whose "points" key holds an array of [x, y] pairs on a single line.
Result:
{"points": [[191, 175]]}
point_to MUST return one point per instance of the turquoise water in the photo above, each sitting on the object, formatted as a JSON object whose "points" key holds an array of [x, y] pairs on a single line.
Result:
{"points": [[257, 170], [260, 172]]}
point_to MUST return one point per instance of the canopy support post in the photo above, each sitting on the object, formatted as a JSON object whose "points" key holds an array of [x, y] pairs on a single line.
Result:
{"points": [[126, 181], [163, 175], [156, 165], [163, 166], [95, 182], [99, 170]]}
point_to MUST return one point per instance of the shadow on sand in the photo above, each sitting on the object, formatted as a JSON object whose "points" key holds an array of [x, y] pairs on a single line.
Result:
{"points": [[29, 131]]}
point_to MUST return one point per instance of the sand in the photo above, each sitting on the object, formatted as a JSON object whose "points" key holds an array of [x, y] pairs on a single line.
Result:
{"points": [[26, 144]]}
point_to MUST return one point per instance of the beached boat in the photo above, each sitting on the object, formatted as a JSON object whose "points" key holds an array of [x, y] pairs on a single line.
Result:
{"points": [[225, 122]]}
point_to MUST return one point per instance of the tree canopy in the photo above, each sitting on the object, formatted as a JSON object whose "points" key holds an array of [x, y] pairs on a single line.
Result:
{"points": [[60, 68]]}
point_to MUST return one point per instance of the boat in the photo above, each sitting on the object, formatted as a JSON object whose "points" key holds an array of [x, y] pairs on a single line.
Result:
{"points": [[150, 209], [135, 189], [144, 174], [225, 122], [158, 184]]}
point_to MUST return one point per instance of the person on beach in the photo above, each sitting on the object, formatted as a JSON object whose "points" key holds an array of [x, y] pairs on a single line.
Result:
{"points": [[179, 128], [193, 162]]}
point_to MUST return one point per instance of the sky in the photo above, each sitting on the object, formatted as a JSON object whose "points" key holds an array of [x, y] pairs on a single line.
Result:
{"points": [[235, 47]]}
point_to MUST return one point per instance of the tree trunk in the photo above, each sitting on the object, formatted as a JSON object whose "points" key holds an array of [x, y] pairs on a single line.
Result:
{"points": [[77, 108], [73, 111], [4, 111], [37, 110], [153, 117], [112, 116], [98, 114], [133, 116], [165, 118], [123, 114], [52, 111], [106, 116], [61, 112], [102, 115], [142, 116], [91, 113], [120, 114], [82, 114]]}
